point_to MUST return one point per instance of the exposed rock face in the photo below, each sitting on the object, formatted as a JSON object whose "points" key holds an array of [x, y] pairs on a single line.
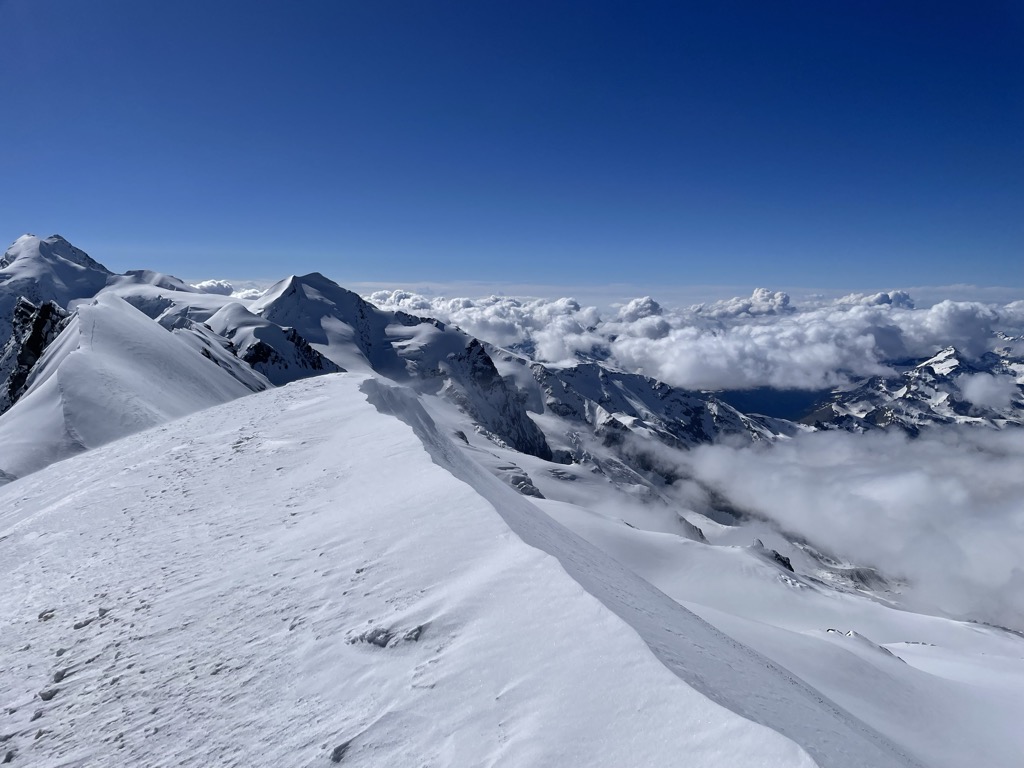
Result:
{"points": [[297, 361], [478, 388], [32, 329], [611, 401]]}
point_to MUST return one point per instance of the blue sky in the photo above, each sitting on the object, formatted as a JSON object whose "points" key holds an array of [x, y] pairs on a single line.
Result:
{"points": [[793, 144]]}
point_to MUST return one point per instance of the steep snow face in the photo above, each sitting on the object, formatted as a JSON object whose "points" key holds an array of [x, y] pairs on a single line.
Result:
{"points": [[338, 323], [892, 660], [42, 270], [287, 602], [280, 354], [112, 371]]}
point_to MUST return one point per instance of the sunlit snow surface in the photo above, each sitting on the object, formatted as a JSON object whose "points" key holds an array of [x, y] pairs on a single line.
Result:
{"points": [[266, 582]]}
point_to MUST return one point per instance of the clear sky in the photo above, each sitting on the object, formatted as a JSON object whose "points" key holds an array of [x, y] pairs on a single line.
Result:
{"points": [[833, 144]]}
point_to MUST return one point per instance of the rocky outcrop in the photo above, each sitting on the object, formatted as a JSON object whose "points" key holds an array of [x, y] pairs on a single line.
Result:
{"points": [[32, 329], [478, 388]]}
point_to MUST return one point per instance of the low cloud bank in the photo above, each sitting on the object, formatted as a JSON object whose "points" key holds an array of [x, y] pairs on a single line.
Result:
{"points": [[227, 288], [944, 511], [741, 343], [219, 287]]}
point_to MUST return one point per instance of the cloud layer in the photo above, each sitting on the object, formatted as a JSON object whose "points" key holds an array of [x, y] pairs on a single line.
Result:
{"points": [[944, 511], [740, 343]]}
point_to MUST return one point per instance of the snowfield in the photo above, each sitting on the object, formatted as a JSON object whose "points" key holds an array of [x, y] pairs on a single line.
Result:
{"points": [[166, 604]]}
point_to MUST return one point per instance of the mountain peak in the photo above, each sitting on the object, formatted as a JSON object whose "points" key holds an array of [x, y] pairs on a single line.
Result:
{"points": [[30, 250], [944, 362]]}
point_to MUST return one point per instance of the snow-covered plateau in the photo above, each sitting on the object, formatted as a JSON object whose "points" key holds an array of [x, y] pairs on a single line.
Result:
{"points": [[307, 528]]}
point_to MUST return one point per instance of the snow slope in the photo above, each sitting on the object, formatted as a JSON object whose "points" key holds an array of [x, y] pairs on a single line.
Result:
{"points": [[949, 692], [42, 270], [420, 352], [162, 608], [111, 372], [280, 354]]}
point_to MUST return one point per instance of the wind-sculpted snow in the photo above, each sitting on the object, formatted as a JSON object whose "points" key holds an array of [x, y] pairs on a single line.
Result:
{"points": [[762, 340], [290, 580], [287, 579], [111, 372], [723, 670]]}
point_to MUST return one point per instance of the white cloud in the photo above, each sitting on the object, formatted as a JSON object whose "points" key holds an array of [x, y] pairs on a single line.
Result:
{"points": [[987, 391], [760, 302], [760, 340], [248, 293], [219, 287], [944, 511]]}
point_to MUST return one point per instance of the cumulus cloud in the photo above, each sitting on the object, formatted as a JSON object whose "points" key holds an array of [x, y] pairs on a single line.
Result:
{"points": [[219, 287], [754, 341], [893, 298], [248, 293], [987, 391], [552, 330], [945, 511], [760, 302]]}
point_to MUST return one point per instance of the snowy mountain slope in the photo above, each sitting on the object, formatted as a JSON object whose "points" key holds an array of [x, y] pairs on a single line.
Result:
{"points": [[947, 388], [167, 300], [163, 609], [280, 354], [851, 648], [221, 352], [338, 323], [42, 270], [725, 671], [961, 672], [863, 670], [112, 371], [435, 358]]}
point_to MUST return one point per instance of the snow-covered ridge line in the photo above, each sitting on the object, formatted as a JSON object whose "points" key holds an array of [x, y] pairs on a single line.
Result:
{"points": [[332, 614], [728, 673]]}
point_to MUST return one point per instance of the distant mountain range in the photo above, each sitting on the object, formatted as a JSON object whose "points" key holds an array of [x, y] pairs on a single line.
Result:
{"points": [[70, 329]]}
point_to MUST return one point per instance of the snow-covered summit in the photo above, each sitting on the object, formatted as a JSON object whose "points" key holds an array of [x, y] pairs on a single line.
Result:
{"points": [[42, 270], [31, 253]]}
